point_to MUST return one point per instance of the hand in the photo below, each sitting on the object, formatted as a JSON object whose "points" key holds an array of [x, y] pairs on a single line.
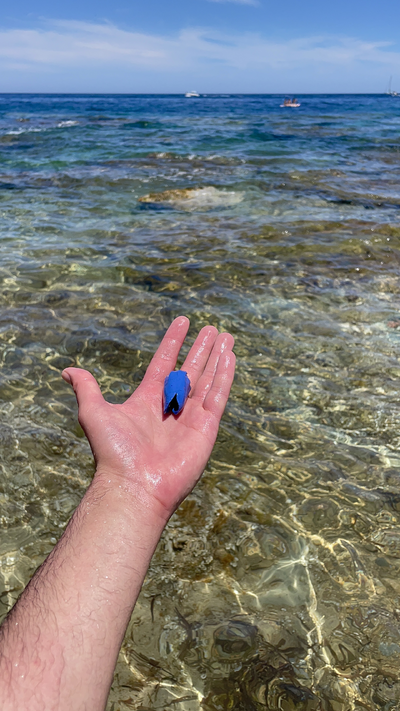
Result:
{"points": [[161, 457]]}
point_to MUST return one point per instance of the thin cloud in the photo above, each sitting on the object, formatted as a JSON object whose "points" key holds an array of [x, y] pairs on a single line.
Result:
{"points": [[67, 43], [201, 53]]}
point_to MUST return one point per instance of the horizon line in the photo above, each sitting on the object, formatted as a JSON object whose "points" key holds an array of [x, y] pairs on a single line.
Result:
{"points": [[182, 94]]}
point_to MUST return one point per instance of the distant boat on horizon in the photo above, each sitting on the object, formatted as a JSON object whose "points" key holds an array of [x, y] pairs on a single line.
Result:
{"points": [[389, 92], [192, 95], [290, 103]]}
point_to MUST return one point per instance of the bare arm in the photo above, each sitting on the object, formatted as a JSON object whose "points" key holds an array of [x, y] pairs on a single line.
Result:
{"points": [[59, 644]]}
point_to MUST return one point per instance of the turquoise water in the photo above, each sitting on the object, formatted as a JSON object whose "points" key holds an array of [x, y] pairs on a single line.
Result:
{"points": [[276, 584]]}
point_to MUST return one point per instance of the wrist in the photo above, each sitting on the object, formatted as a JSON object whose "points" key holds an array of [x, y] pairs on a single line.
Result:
{"points": [[129, 497]]}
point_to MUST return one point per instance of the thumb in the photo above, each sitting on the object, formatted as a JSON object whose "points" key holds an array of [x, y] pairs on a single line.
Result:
{"points": [[85, 386]]}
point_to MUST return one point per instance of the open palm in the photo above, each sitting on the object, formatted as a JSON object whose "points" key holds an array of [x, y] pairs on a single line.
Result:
{"points": [[163, 456]]}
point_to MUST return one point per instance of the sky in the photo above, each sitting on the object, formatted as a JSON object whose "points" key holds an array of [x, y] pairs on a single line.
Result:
{"points": [[212, 46]]}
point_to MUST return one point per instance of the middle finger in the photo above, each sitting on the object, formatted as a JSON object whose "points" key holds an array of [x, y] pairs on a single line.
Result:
{"points": [[199, 353]]}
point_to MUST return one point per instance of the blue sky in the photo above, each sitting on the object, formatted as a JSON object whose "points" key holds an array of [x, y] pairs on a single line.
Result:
{"points": [[155, 46]]}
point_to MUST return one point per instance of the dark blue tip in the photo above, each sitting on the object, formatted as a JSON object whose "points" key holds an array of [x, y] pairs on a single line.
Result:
{"points": [[176, 391]]}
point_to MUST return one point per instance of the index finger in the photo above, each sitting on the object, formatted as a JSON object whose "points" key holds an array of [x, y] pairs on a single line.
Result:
{"points": [[166, 355]]}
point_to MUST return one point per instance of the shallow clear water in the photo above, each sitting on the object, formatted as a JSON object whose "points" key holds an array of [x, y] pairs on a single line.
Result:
{"points": [[276, 584]]}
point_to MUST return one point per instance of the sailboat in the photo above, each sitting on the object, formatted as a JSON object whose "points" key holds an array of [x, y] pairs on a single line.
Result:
{"points": [[192, 95], [390, 92]]}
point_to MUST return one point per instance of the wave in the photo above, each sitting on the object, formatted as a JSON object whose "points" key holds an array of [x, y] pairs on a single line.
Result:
{"points": [[20, 131], [39, 129], [65, 124], [217, 158]]}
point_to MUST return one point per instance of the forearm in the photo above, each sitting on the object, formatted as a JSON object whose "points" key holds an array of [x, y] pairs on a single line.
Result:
{"points": [[59, 645]]}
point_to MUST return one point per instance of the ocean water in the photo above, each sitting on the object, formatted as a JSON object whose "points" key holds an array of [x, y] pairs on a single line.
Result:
{"points": [[276, 584]]}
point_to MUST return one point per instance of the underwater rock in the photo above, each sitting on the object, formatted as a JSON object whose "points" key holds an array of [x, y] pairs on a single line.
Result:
{"points": [[193, 199]]}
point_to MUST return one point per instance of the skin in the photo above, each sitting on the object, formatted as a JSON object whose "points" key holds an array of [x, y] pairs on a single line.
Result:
{"points": [[60, 642]]}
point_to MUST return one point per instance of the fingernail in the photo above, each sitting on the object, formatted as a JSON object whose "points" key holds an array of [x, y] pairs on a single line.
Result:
{"points": [[66, 376]]}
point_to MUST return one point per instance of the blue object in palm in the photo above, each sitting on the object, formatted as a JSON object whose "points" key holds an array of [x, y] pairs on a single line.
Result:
{"points": [[176, 391]]}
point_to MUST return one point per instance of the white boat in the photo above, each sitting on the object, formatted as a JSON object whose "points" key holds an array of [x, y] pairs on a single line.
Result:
{"points": [[390, 92], [192, 94]]}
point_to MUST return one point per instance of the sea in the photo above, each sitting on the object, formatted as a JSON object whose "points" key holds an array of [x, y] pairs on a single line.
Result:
{"points": [[276, 584]]}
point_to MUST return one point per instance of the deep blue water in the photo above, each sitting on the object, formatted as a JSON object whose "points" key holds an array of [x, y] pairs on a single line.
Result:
{"points": [[136, 145]]}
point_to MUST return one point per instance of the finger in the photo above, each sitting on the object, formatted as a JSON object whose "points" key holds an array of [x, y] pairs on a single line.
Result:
{"points": [[85, 386], [218, 394], [222, 343], [199, 354], [165, 357]]}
